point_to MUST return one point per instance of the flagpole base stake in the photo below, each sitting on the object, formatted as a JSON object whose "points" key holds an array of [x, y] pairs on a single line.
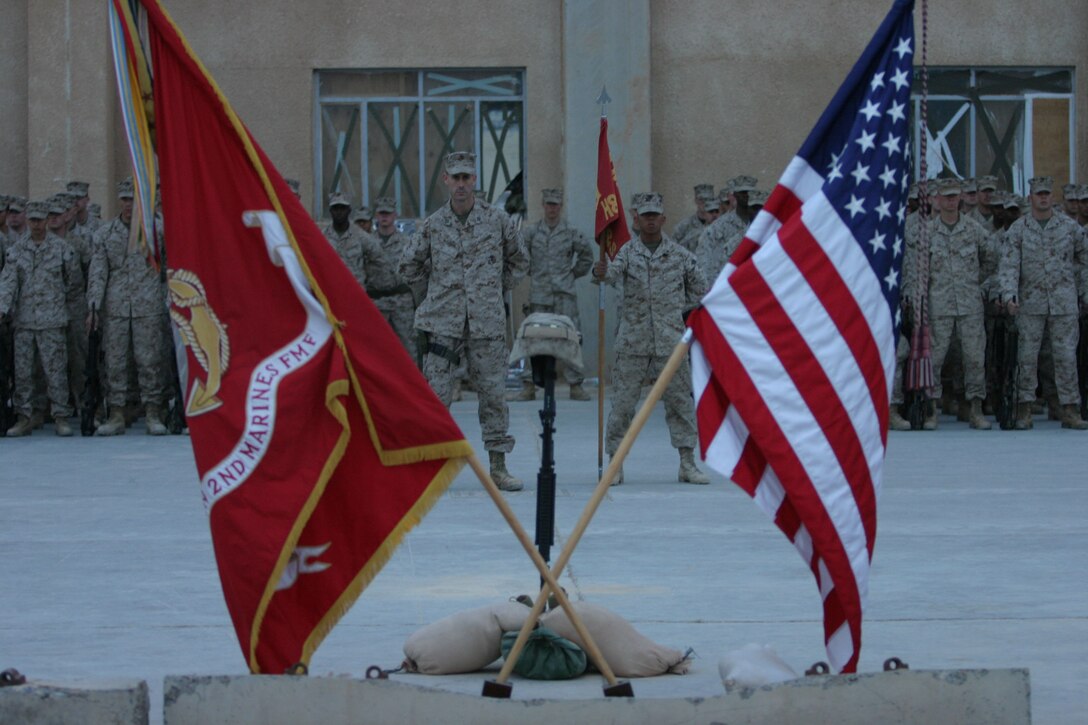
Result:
{"points": [[497, 690], [620, 689]]}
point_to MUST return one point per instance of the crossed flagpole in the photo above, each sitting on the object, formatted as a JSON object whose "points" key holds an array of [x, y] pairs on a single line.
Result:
{"points": [[499, 687]]}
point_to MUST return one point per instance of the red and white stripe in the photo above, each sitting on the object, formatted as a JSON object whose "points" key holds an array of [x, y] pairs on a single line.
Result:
{"points": [[792, 367]]}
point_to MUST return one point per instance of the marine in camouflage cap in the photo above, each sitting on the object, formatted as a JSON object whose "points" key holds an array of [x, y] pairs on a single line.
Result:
{"points": [[337, 199], [385, 204], [551, 196], [651, 203], [460, 162], [79, 188], [363, 218], [1041, 184]]}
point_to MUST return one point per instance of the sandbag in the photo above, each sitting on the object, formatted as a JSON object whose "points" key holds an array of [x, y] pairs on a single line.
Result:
{"points": [[627, 652], [463, 642], [754, 665], [546, 656]]}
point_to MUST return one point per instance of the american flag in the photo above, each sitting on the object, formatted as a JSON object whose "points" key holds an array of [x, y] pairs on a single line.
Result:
{"points": [[794, 349]]}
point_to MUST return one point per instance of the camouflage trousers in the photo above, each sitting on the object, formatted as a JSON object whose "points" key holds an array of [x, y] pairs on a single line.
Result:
{"points": [[50, 349], [77, 358], [972, 337], [628, 373], [143, 336], [1064, 334], [902, 352], [568, 306], [485, 364], [400, 313]]}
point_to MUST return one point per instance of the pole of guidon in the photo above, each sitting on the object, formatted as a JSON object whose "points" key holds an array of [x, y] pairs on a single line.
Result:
{"points": [[667, 373], [500, 688]]}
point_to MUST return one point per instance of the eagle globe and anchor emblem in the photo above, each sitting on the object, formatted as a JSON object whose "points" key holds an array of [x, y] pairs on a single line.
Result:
{"points": [[204, 334]]}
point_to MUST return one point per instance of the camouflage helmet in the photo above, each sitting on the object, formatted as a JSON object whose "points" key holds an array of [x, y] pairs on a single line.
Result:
{"points": [[546, 333]]}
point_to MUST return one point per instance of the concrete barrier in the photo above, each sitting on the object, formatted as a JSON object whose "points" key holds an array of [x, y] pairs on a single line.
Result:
{"points": [[102, 702], [901, 696]]}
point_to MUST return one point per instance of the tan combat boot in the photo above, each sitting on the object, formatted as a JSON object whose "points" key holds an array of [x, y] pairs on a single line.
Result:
{"points": [[896, 421], [689, 473], [577, 392], [114, 425], [1023, 417], [1071, 418], [619, 475], [63, 429], [930, 423], [527, 392], [21, 428], [976, 419], [153, 418], [500, 475]]}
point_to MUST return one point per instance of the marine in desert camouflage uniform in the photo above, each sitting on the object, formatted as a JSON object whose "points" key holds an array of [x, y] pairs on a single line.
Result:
{"points": [[39, 281], [558, 255], [660, 282], [687, 232], [127, 297], [469, 255], [1044, 282], [392, 297]]}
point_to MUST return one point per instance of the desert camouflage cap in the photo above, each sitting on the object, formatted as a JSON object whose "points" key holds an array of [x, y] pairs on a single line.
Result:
{"points": [[461, 162], [37, 210], [69, 197], [124, 188], [913, 192], [1068, 189], [552, 196], [364, 214], [1041, 184], [79, 188], [743, 183], [17, 204], [704, 191], [987, 183], [385, 203], [970, 186], [57, 204], [757, 197], [949, 186], [651, 203], [338, 199], [712, 204]]}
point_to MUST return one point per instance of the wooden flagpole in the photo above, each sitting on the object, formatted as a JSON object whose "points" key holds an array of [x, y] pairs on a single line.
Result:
{"points": [[592, 650], [604, 100], [667, 373]]}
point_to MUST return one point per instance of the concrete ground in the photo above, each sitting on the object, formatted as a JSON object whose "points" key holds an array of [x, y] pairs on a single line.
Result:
{"points": [[106, 567]]}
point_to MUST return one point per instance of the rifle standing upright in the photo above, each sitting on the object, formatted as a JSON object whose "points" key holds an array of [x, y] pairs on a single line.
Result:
{"points": [[92, 390]]}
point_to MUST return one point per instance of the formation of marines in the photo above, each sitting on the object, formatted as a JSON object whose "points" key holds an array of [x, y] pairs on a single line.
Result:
{"points": [[991, 262]]}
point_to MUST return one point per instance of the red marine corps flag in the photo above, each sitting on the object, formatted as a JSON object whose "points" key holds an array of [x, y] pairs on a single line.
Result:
{"points": [[795, 351], [317, 442], [610, 228]]}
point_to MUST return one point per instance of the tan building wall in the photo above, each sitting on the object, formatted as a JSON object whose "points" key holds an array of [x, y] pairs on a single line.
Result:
{"points": [[737, 86], [703, 89]]}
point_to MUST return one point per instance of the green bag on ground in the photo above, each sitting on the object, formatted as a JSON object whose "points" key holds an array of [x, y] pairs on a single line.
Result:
{"points": [[546, 656]]}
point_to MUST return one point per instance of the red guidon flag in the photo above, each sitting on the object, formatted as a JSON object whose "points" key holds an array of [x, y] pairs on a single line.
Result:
{"points": [[610, 228], [317, 441]]}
